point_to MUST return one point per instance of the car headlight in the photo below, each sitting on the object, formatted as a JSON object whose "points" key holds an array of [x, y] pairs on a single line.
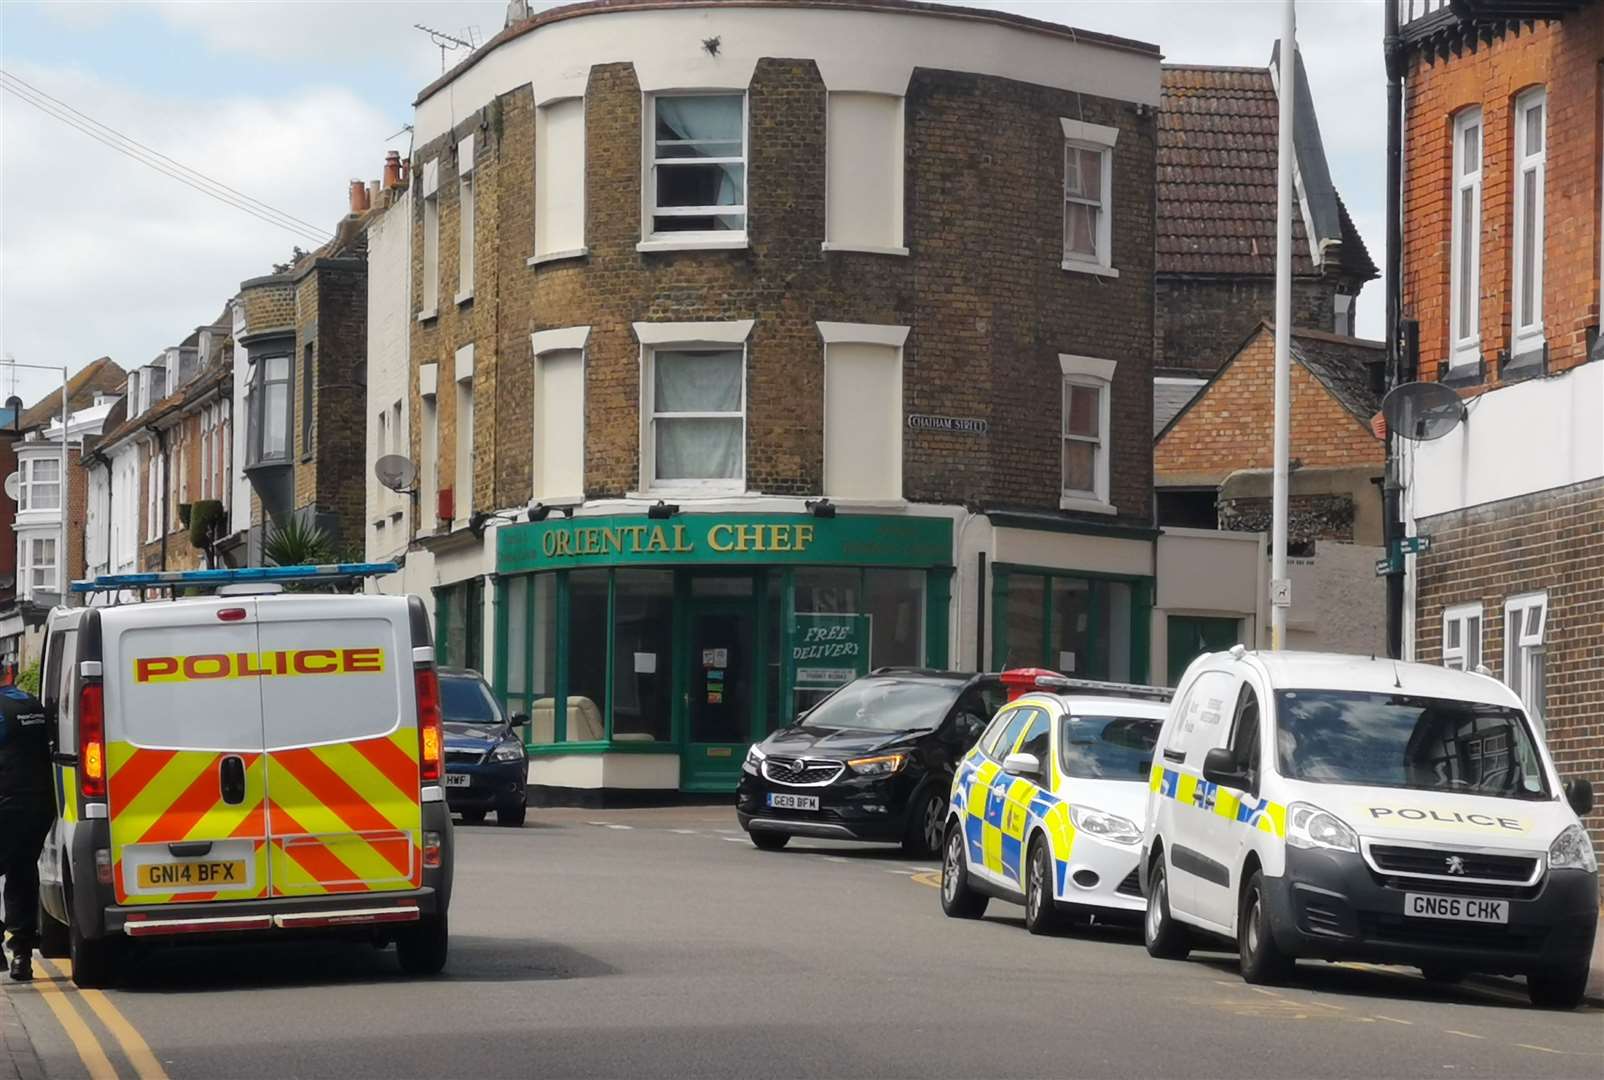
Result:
{"points": [[1311, 827], [879, 765], [1572, 850], [509, 751], [1109, 827], [754, 758]]}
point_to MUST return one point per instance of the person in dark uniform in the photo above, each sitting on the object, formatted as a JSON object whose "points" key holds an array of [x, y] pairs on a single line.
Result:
{"points": [[27, 809]]}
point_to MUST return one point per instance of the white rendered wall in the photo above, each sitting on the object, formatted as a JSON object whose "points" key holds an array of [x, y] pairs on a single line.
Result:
{"points": [[389, 326], [863, 155], [560, 177], [862, 421]]}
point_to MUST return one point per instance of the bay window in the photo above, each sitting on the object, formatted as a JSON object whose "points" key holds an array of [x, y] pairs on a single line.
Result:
{"points": [[37, 556], [268, 405], [697, 153], [41, 484]]}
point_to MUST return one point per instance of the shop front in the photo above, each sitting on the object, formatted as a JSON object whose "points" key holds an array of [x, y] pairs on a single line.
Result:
{"points": [[649, 653]]}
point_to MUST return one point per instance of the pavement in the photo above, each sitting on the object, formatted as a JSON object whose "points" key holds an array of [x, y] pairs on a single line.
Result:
{"points": [[661, 943]]}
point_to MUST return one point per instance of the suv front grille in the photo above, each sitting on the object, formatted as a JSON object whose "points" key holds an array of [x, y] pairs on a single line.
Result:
{"points": [[800, 772], [1454, 865], [464, 757]]}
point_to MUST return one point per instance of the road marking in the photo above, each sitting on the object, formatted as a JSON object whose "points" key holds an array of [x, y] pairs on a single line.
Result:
{"points": [[1463, 1034], [931, 878], [138, 1052], [1323, 1005], [733, 839], [622, 828], [905, 873], [1543, 1049], [683, 832], [1266, 993], [83, 1039], [834, 858], [1394, 1020]]}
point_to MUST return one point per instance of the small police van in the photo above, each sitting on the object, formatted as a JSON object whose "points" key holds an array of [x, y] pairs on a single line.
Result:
{"points": [[1345, 808], [244, 763], [1047, 808]]}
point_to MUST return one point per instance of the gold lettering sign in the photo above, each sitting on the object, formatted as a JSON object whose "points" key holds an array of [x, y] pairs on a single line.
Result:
{"points": [[723, 537]]}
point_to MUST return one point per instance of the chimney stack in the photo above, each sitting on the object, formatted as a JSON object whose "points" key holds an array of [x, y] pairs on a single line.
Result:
{"points": [[359, 196], [392, 170]]}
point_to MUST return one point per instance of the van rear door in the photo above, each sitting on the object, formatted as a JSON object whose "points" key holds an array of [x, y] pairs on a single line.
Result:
{"points": [[186, 789], [341, 739]]}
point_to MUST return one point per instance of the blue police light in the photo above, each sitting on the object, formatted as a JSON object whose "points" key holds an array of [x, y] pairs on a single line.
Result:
{"points": [[241, 576]]}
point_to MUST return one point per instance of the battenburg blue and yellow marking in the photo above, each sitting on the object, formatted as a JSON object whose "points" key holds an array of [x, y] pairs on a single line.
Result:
{"points": [[1000, 811], [1260, 814]]}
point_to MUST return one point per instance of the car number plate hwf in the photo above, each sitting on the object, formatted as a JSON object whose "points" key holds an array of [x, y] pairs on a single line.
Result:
{"points": [[184, 874], [794, 802], [456, 779], [1459, 908]]}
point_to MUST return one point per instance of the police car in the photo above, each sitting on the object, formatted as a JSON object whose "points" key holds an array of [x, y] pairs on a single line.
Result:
{"points": [[244, 764], [1047, 808], [1344, 808]]}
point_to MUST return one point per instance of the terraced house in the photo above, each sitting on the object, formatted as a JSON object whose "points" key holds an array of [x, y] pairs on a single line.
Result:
{"points": [[738, 327]]}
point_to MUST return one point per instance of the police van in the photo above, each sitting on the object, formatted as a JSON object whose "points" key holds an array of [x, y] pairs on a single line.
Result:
{"points": [[1344, 808], [250, 762]]}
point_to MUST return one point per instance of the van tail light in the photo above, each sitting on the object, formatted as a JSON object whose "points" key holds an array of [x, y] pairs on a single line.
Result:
{"points": [[92, 740], [431, 850], [430, 748]]}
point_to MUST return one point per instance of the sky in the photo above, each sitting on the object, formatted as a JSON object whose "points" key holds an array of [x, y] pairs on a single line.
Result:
{"points": [[288, 100]]}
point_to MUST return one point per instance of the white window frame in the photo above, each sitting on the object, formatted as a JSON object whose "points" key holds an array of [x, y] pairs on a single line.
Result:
{"points": [[690, 337], [463, 479], [428, 447], [1099, 138], [1527, 325], [544, 343], [1097, 374], [206, 453], [154, 479], [467, 210], [28, 482], [710, 240], [28, 548], [1464, 327], [1459, 657], [429, 306], [1524, 649]]}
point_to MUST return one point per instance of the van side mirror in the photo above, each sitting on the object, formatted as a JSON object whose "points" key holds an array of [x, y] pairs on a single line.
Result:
{"points": [[1026, 765], [1221, 767], [520, 719], [1579, 793]]}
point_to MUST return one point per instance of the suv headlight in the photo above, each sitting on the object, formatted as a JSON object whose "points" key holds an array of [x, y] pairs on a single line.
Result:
{"points": [[879, 765], [1311, 827], [509, 751], [1572, 850], [754, 758], [1109, 827]]}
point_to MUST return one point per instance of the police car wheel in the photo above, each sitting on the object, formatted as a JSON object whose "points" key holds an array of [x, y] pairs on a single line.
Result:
{"points": [[1041, 914], [923, 838], [1563, 989], [1262, 960], [958, 899], [1166, 939]]}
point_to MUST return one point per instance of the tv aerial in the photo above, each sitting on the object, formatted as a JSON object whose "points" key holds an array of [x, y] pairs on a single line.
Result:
{"points": [[1422, 411], [397, 473], [447, 42]]}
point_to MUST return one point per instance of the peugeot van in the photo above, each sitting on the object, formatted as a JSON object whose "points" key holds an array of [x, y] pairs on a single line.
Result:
{"points": [[244, 764], [1345, 808]]}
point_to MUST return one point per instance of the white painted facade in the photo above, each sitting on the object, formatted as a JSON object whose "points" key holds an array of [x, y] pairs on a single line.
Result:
{"points": [[239, 518], [41, 558], [389, 515]]}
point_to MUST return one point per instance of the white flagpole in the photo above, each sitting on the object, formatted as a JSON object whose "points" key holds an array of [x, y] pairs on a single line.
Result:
{"points": [[1280, 588]]}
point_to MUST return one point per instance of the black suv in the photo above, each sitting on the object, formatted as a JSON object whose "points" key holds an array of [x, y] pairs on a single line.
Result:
{"points": [[873, 761]]}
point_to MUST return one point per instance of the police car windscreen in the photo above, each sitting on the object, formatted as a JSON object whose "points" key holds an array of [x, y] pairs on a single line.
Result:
{"points": [[465, 700], [1108, 747], [886, 703], [1393, 740]]}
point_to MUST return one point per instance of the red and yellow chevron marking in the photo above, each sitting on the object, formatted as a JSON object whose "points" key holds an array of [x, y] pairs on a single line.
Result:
{"points": [[166, 796], [345, 817]]}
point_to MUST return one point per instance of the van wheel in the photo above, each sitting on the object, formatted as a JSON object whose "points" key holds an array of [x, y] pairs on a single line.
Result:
{"points": [[94, 961], [1263, 962], [422, 948], [472, 817], [512, 816], [1041, 913], [958, 898], [768, 840], [54, 940], [923, 838], [1563, 989], [1166, 939]]}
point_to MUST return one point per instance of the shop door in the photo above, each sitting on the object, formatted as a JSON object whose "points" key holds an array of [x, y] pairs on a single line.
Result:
{"points": [[721, 676], [1190, 636]]}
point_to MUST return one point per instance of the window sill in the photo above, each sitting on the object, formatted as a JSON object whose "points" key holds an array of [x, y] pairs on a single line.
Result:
{"points": [[557, 256], [867, 249], [1084, 505], [692, 242], [426, 316], [888, 503], [1095, 269], [691, 494], [464, 298], [1464, 369]]}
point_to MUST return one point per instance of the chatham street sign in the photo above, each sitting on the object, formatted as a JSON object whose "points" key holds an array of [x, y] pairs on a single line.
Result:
{"points": [[961, 425]]}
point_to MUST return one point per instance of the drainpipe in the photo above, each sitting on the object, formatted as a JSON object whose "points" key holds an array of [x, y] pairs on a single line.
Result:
{"points": [[1392, 489]]}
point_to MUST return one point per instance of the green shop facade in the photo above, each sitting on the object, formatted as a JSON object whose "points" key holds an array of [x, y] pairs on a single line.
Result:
{"points": [[641, 648]]}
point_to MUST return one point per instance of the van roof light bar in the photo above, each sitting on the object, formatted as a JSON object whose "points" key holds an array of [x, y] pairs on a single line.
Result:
{"points": [[243, 575], [1022, 680]]}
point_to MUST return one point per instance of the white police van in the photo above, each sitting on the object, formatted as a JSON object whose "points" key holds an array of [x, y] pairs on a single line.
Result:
{"points": [[1345, 808]]}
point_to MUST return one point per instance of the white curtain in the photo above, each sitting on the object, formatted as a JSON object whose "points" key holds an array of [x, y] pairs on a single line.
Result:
{"points": [[698, 447]]}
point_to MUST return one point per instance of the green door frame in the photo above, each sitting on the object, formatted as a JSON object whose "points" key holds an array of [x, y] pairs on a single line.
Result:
{"points": [[697, 772]]}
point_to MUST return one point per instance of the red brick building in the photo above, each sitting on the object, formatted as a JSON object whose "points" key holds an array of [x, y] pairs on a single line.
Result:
{"points": [[1503, 238]]}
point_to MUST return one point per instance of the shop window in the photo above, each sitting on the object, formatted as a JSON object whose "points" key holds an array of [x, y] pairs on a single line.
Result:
{"points": [[697, 182], [1080, 626], [1465, 250], [1525, 621], [587, 655], [1088, 174], [1025, 628], [459, 624], [1531, 122], [863, 410], [560, 179], [863, 163], [531, 653], [895, 603], [696, 431], [643, 654], [1461, 637], [824, 590]]}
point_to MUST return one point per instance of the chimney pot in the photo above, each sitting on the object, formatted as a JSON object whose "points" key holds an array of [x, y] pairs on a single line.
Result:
{"points": [[392, 170], [373, 194], [359, 196]]}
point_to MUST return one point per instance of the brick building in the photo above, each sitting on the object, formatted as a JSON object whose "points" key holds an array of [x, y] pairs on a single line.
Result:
{"points": [[804, 316], [1503, 239]]}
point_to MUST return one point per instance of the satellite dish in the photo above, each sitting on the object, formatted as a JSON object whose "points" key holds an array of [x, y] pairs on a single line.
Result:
{"points": [[1422, 411], [395, 472], [13, 486]]}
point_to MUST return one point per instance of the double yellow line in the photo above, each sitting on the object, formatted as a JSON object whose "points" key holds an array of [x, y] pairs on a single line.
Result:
{"points": [[57, 991]]}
